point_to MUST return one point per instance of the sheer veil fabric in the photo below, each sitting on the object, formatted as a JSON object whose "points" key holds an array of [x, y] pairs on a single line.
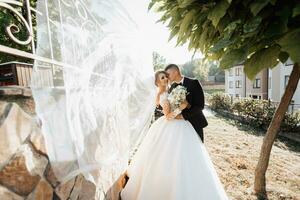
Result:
{"points": [[96, 97]]}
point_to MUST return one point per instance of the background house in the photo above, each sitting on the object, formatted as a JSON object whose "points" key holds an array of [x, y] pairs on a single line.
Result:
{"points": [[258, 88], [278, 78], [235, 81], [268, 84]]}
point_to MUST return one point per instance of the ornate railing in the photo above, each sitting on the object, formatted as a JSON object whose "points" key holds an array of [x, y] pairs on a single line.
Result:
{"points": [[23, 12], [12, 29]]}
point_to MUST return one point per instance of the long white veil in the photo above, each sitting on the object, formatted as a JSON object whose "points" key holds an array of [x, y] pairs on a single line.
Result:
{"points": [[95, 97]]}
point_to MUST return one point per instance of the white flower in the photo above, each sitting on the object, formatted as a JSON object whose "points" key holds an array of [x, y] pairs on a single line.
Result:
{"points": [[177, 96]]}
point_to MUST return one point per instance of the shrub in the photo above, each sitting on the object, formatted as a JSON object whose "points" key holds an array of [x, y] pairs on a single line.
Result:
{"points": [[220, 101], [291, 122], [256, 113]]}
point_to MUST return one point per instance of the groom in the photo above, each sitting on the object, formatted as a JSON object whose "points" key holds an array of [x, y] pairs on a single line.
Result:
{"points": [[195, 98]]}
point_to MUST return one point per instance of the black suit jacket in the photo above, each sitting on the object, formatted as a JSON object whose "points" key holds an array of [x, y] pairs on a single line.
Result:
{"points": [[195, 98]]}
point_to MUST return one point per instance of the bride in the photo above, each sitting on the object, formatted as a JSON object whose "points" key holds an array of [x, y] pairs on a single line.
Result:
{"points": [[172, 162]]}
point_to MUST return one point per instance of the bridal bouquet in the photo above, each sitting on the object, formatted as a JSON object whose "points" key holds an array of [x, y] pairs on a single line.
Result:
{"points": [[177, 96]]}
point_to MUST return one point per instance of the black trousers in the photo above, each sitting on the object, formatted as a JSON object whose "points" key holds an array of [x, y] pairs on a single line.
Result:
{"points": [[200, 133]]}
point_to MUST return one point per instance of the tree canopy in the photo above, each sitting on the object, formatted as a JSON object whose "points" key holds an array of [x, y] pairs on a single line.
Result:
{"points": [[159, 62], [201, 69], [258, 33]]}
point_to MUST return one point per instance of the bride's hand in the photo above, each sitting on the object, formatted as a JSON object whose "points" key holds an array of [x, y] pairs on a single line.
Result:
{"points": [[179, 117], [170, 116]]}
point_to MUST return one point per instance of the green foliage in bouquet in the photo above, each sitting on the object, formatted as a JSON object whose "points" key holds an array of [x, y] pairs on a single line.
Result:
{"points": [[259, 33]]}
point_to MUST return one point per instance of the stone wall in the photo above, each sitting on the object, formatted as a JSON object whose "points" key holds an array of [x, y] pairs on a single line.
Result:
{"points": [[25, 171], [25, 102]]}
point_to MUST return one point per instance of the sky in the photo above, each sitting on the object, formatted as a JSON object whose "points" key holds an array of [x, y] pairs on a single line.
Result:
{"points": [[158, 33]]}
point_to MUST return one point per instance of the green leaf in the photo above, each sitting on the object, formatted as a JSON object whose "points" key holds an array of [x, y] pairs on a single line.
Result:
{"points": [[183, 38], [151, 4], [276, 27], [260, 45], [215, 56], [173, 33], [264, 58], [162, 19], [186, 22], [218, 12], [284, 13], [224, 42], [176, 19], [232, 26], [290, 43], [186, 3], [283, 56], [191, 42], [223, 23], [258, 5], [296, 11], [252, 25], [202, 39], [233, 58]]}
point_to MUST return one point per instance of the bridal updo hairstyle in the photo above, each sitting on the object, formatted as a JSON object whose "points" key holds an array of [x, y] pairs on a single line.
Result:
{"points": [[157, 73]]}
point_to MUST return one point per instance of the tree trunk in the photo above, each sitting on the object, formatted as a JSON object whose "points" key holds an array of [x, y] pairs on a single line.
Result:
{"points": [[262, 165]]}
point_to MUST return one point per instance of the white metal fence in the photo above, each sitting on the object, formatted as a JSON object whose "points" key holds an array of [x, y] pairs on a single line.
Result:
{"points": [[45, 62]]}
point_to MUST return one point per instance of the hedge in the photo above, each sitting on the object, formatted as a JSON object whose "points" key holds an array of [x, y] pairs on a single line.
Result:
{"points": [[256, 113]]}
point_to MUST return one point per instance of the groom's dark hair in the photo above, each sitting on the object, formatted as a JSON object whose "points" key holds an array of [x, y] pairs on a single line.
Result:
{"points": [[172, 66]]}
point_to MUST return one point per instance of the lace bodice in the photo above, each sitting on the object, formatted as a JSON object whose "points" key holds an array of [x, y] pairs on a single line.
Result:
{"points": [[163, 98]]}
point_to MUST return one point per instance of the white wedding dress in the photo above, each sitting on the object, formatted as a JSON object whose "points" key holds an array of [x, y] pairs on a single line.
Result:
{"points": [[172, 164]]}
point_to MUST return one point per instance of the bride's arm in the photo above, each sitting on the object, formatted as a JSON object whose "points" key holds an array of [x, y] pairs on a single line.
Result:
{"points": [[166, 107], [167, 110], [164, 103]]}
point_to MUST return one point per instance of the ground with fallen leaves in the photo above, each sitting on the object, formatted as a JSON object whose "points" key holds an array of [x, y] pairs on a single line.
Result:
{"points": [[234, 149]]}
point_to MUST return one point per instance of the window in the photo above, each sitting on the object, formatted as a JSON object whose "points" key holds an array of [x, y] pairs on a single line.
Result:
{"points": [[238, 71], [230, 72], [270, 83], [238, 84], [256, 83], [237, 95], [230, 84], [286, 80]]}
